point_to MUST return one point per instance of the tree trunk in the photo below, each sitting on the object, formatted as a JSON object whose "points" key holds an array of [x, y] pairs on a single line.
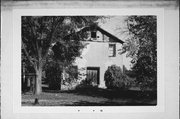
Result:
{"points": [[63, 77], [38, 87], [63, 74]]}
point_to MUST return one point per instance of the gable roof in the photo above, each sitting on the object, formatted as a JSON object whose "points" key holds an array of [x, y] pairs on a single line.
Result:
{"points": [[95, 27], [114, 38]]}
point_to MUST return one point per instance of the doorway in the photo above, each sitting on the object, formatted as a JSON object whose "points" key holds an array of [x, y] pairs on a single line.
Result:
{"points": [[93, 75]]}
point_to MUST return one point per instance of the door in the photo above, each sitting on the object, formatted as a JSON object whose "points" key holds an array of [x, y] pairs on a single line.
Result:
{"points": [[93, 75]]}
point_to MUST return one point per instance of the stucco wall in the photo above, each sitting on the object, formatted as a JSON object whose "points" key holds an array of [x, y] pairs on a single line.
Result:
{"points": [[96, 54]]}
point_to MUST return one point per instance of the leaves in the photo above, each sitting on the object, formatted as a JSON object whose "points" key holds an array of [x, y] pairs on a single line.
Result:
{"points": [[40, 32], [115, 78], [142, 48], [67, 51]]}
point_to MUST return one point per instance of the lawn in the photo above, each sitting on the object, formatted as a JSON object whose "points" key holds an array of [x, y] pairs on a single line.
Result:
{"points": [[91, 97]]}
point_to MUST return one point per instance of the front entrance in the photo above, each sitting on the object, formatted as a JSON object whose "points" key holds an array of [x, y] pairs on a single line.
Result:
{"points": [[93, 75]]}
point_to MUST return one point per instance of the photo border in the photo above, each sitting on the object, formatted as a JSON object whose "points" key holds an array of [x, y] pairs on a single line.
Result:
{"points": [[17, 108]]}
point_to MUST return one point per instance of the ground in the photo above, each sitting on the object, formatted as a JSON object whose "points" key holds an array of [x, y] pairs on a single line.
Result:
{"points": [[90, 97]]}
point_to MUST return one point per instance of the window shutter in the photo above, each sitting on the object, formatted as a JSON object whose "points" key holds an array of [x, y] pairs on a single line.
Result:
{"points": [[114, 50]]}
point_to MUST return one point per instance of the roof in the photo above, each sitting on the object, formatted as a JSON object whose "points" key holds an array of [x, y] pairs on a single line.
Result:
{"points": [[92, 27]]}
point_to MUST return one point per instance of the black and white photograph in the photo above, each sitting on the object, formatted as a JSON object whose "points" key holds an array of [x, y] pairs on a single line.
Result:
{"points": [[89, 60]]}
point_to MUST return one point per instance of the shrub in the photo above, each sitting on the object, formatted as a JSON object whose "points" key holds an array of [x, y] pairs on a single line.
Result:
{"points": [[115, 78], [84, 84], [146, 73], [53, 76], [71, 74]]}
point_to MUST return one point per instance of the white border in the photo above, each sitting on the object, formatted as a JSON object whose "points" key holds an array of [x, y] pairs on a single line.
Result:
{"points": [[17, 108]]}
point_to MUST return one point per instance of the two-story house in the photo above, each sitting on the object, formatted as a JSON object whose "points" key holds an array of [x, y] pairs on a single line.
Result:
{"points": [[100, 52]]}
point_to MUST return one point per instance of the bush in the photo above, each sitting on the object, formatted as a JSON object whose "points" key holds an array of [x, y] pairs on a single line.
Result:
{"points": [[146, 73], [115, 78], [53, 76], [85, 84], [71, 74]]}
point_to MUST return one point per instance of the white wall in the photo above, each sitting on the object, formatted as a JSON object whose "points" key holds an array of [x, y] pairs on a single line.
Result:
{"points": [[96, 54]]}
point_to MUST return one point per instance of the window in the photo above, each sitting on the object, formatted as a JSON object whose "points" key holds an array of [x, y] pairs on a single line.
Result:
{"points": [[112, 50], [93, 34]]}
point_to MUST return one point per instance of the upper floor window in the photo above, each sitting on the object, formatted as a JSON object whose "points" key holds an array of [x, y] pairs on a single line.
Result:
{"points": [[93, 34], [112, 50]]}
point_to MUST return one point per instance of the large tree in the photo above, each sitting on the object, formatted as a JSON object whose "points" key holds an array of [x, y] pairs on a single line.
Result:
{"points": [[142, 48], [39, 33]]}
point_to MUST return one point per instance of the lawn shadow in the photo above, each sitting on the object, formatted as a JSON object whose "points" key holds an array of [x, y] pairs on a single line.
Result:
{"points": [[93, 96], [124, 97], [110, 103], [113, 94]]}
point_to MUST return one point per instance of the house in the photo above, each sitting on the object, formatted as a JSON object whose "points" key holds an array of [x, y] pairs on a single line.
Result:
{"points": [[100, 52]]}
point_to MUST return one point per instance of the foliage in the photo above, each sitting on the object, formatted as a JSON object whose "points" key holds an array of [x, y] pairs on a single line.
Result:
{"points": [[72, 72], [26, 66], [115, 78], [131, 47], [142, 48], [65, 52], [85, 84], [145, 73], [39, 33], [53, 75]]}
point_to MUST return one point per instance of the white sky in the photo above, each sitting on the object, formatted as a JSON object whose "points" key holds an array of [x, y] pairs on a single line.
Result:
{"points": [[116, 25]]}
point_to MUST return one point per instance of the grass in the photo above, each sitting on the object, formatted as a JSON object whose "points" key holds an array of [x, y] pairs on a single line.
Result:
{"points": [[91, 97]]}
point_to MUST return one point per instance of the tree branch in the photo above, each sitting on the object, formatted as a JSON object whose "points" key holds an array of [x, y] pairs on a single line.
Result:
{"points": [[35, 50], [54, 29], [27, 54], [33, 36]]}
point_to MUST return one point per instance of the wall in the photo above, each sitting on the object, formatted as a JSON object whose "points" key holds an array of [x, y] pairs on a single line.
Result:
{"points": [[96, 54]]}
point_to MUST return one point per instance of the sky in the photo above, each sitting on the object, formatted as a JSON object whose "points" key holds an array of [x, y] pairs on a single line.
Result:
{"points": [[116, 25]]}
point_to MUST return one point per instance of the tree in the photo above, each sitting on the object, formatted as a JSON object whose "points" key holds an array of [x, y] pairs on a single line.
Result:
{"points": [[39, 33], [63, 56], [142, 48], [66, 52]]}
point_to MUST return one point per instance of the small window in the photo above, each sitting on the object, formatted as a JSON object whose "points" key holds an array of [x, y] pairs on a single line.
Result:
{"points": [[112, 50], [93, 34]]}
